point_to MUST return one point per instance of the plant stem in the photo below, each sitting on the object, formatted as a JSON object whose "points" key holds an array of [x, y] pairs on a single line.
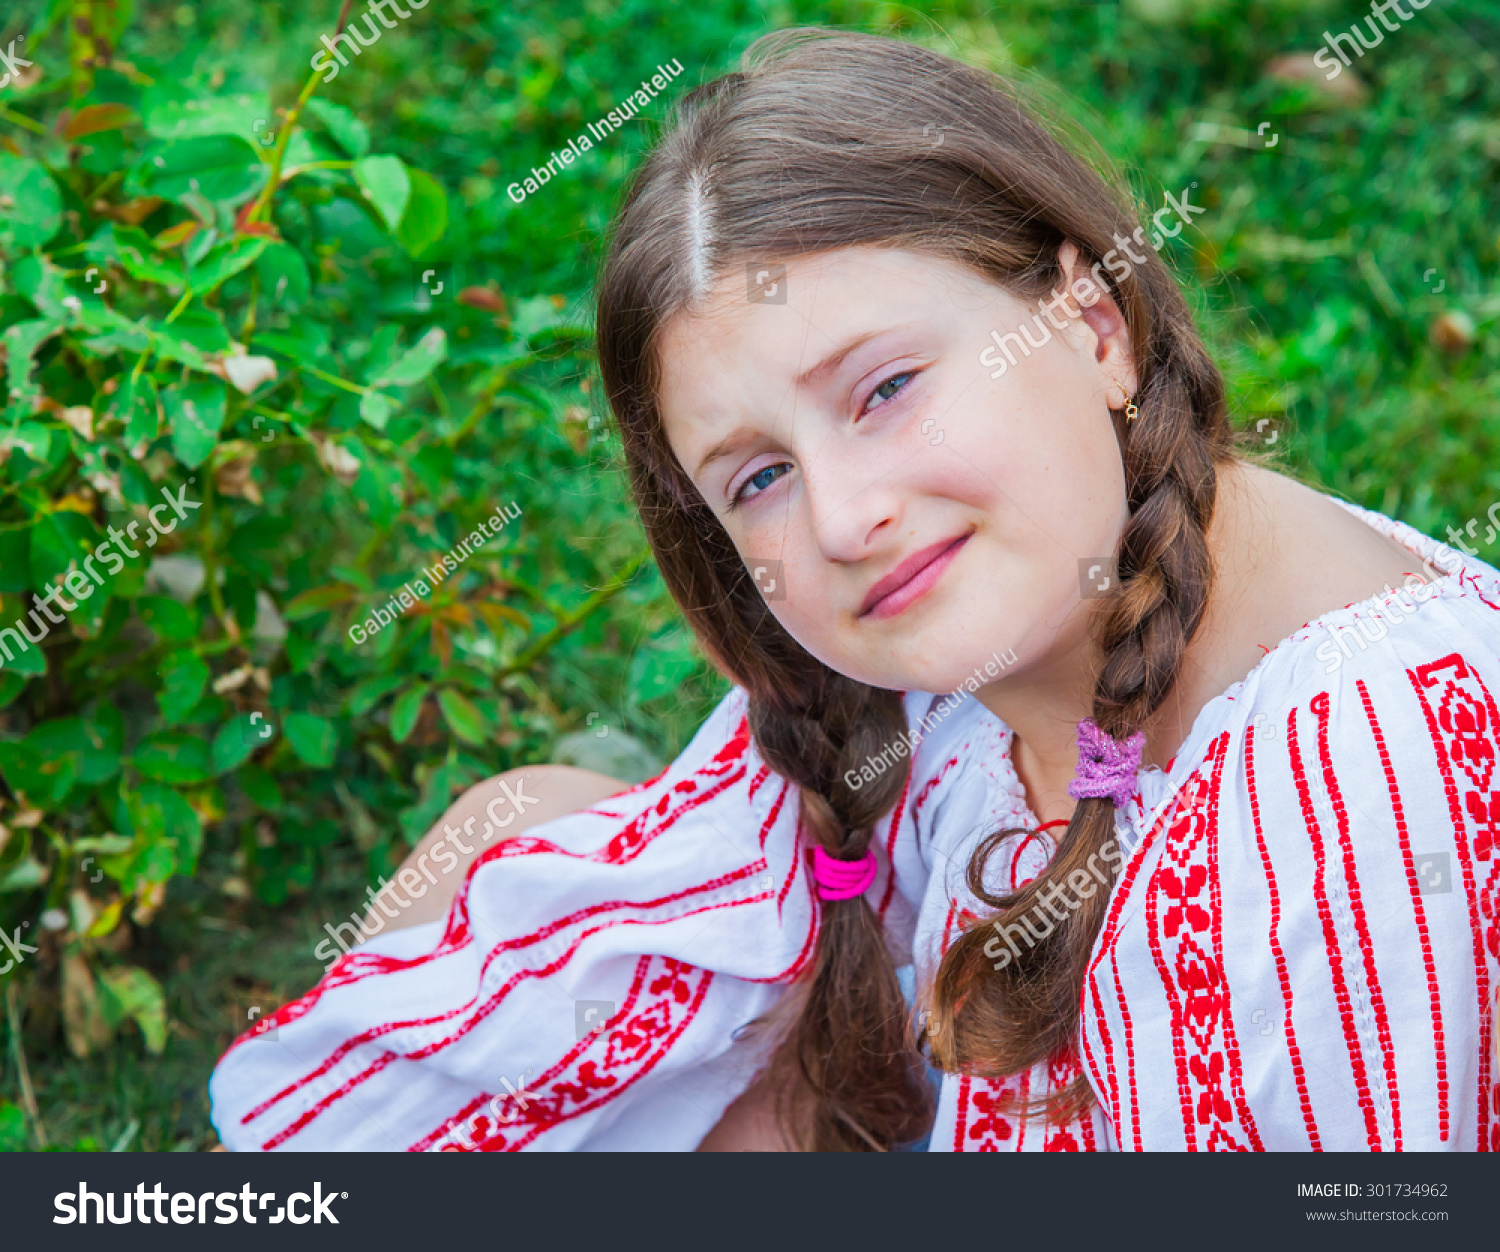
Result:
{"points": [[332, 379], [23, 1075], [482, 406], [262, 206], [20, 119], [575, 619]]}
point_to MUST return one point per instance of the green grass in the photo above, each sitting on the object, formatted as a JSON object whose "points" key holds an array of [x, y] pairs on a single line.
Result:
{"points": [[1313, 271]]}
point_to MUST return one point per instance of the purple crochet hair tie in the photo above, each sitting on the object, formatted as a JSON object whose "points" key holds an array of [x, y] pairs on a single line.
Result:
{"points": [[1106, 766]]}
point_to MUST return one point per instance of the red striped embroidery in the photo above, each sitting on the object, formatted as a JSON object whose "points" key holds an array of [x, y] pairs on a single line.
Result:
{"points": [[1419, 913], [1319, 705], [1330, 938], [470, 1014], [1462, 733], [1180, 923], [1299, 1074], [599, 1069]]}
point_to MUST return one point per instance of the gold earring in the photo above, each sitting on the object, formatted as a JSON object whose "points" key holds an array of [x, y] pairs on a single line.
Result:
{"points": [[1130, 411]]}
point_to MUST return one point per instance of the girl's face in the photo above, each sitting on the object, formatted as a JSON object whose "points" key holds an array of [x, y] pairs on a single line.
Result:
{"points": [[908, 516]]}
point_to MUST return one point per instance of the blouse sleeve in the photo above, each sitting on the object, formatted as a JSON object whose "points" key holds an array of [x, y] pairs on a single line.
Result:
{"points": [[585, 991]]}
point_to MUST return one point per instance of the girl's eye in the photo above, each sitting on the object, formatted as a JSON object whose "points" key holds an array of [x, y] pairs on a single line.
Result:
{"points": [[758, 482], [889, 389]]}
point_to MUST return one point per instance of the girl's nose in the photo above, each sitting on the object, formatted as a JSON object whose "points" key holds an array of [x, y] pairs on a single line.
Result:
{"points": [[852, 506]]}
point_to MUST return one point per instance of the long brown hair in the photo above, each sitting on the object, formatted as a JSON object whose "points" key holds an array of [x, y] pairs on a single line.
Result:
{"points": [[824, 140]]}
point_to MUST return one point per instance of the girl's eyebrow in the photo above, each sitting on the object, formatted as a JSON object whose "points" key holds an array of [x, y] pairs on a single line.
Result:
{"points": [[835, 358], [731, 442]]}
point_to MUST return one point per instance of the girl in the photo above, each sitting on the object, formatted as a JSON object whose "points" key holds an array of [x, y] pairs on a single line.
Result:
{"points": [[1187, 858]]}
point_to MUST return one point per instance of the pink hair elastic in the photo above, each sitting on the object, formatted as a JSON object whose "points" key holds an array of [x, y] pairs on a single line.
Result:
{"points": [[1106, 766], [843, 880]]}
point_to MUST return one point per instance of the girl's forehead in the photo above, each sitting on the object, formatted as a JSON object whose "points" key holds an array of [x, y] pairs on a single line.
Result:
{"points": [[815, 298]]}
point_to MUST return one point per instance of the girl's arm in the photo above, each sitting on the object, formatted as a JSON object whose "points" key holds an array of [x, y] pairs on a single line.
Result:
{"points": [[542, 793]]}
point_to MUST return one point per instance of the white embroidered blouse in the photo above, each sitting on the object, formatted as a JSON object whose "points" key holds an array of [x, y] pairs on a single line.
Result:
{"points": [[1302, 949]]}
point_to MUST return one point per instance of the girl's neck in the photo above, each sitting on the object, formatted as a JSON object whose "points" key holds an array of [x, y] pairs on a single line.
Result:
{"points": [[1044, 703], [1283, 555]]}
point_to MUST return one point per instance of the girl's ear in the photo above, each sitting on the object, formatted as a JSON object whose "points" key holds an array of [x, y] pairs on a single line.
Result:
{"points": [[1087, 292]]}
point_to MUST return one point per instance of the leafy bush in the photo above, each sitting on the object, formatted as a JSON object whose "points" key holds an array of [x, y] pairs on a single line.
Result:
{"points": [[250, 409]]}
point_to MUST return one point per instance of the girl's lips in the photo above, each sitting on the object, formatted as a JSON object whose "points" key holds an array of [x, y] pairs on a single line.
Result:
{"points": [[912, 579]]}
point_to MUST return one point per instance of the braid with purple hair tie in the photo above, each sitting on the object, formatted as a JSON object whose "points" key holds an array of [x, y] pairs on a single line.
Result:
{"points": [[1106, 766]]}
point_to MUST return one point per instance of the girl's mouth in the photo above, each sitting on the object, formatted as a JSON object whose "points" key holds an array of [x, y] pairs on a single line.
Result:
{"points": [[912, 579]]}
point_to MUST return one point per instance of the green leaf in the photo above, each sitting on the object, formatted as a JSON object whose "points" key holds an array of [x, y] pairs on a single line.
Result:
{"points": [[351, 134], [132, 992], [93, 748], [219, 168], [133, 250], [417, 362], [183, 676], [137, 405], [238, 738], [166, 836], [12, 684], [314, 739], [35, 212], [406, 709], [662, 666], [386, 185], [44, 780], [12, 1128], [376, 408], [284, 280], [260, 788], [172, 621], [60, 541], [463, 719], [426, 216], [167, 116], [371, 692], [15, 559], [224, 261], [172, 757], [195, 413], [317, 600]]}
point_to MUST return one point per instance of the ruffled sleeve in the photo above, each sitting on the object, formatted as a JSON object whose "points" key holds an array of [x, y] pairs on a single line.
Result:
{"points": [[589, 986], [584, 991]]}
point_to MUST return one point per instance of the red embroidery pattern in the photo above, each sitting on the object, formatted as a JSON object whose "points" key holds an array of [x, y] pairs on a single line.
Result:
{"points": [[1294, 1052], [1463, 730], [1419, 912], [594, 1072], [1180, 931], [1319, 704]]}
